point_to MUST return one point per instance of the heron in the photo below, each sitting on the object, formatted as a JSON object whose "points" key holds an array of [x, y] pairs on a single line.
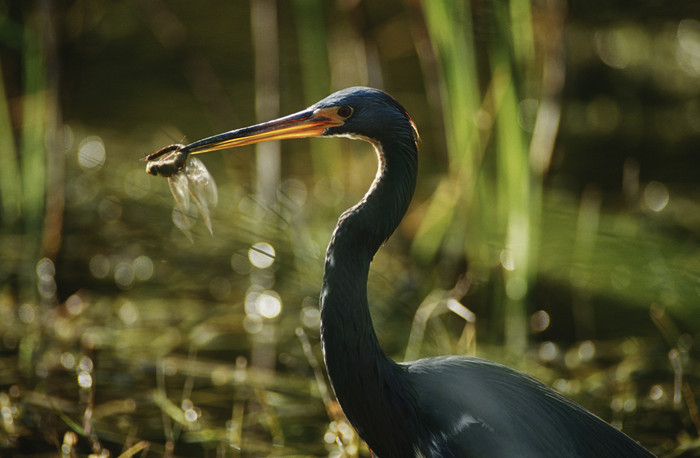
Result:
{"points": [[447, 406]]}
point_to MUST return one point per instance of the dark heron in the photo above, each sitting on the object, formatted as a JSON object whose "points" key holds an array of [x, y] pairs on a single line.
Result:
{"points": [[451, 406]]}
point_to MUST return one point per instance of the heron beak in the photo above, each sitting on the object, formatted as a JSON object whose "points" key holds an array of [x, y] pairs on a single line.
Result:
{"points": [[306, 123]]}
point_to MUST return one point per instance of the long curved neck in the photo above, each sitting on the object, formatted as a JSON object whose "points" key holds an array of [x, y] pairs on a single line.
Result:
{"points": [[359, 370]]}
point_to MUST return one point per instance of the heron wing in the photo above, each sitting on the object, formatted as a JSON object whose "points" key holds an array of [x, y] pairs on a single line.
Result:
{"points": [[479, 408]]}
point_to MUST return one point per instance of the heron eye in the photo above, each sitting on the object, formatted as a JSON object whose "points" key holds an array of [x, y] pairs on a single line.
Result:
{"points": [[344, 111]]}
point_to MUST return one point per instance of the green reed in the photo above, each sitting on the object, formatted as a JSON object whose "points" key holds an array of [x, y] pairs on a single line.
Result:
{"points": [[487, 206]]}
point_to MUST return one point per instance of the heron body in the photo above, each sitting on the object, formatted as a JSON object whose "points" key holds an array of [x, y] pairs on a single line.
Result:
{"points": [[453, 406]]}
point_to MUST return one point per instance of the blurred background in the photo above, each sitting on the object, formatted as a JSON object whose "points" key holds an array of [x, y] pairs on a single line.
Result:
{"points": [[555, 227]]}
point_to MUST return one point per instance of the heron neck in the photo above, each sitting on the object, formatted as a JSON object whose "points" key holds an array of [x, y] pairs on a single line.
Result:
{"points": [[358, 368]]}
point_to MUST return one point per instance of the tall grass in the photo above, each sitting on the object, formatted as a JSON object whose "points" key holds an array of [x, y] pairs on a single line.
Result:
{"points": [[312, 40], [23, 162], [10, 183], [33, 157], [450, 25], [487, 207]]}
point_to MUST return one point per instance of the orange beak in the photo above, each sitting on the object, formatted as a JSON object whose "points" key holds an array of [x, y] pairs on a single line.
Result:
{"points": [[306, 123]]}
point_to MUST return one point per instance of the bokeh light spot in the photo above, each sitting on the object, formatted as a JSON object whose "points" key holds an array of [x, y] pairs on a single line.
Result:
{"points": [[124, 274], [539, 321], [45, 269], [91, 153], [75, 304], [656, 393], [261, 255], [100, 266], [191, 415], [143, 268], [253, 324], [128, 313], [84, 380], [329, 437], [251, 300], [86, 364], [310, 317], [586, 350], [292, 192], [269, 304], [219, 376], [67, 360], [656, 196], [622, 46], [507, 259], [263, 278], [688, 53], [516, 288], [548, 351], [47, 287], [26, 313]]}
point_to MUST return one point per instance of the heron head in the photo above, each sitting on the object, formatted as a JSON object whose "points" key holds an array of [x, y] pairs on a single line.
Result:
{"points": [[366, 113], [358, 112]]}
